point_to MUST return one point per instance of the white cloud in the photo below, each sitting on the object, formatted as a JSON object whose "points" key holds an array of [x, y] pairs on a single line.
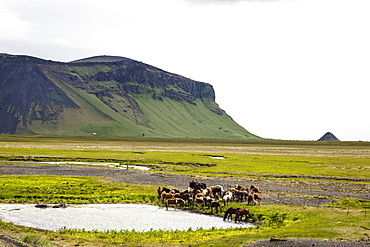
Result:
{"points": [[12, 26]]}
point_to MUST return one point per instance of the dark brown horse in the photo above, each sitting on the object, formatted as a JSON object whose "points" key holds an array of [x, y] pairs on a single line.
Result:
{"points": [[164, 189], [240, 213], [241, 195], [175, 201], [215, 204], [217, 190], [229, 213], [186, 197], [196, 185]]}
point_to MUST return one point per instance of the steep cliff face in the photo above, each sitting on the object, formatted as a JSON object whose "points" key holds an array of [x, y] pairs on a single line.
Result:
{"points": [[109, 96], [27, 95], [136, 77]]}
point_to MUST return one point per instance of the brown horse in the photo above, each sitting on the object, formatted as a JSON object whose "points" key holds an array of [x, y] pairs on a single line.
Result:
{"points": [[165, 195], [240, 213], [229, 213], [241, 195], [207, 192], [217, 190], [255, 189], [199, 200], [175, 201], [253, 198], [257, 198]]}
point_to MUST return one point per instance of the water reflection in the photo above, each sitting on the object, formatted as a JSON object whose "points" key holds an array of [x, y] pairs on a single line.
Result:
{"points": [[110, 217]]}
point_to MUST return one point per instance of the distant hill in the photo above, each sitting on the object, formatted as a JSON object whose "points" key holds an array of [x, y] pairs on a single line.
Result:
{"points": [[328, 137], [107, 96]]}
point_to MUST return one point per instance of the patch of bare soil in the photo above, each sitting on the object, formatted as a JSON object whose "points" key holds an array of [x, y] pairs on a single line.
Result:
{"points": [[304, 243], [6, 241]]}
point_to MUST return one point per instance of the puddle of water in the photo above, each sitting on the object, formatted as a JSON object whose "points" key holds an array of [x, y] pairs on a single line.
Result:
{"points": [[114, 165], [218, 157], [110, 217]]}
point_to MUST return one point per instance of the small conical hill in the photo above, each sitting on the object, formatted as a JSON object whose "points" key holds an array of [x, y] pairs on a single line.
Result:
{"points": [[328, 137]]}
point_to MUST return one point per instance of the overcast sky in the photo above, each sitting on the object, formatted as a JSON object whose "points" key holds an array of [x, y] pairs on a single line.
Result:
{"points": [[283, 69]]}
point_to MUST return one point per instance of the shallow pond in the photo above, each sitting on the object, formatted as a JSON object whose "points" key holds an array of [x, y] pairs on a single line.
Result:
{"points": [[110, 217], [114, 165]]}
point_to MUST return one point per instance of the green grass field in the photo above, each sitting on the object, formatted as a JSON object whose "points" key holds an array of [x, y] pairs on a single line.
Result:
{"points": [[346, 219]]}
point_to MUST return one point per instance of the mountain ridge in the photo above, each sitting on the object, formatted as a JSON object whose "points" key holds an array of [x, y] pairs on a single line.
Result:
{"points": [[108, 95]]}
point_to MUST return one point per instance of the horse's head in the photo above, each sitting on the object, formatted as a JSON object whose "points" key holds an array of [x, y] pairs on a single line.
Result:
{"points": [[166, 190]]}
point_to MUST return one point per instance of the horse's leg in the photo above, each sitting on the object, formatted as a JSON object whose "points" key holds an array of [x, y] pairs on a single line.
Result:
{"points": [[225, 215]]}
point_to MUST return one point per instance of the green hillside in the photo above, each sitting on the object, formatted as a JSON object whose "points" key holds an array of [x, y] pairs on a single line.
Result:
{"points": [[108, 96]]}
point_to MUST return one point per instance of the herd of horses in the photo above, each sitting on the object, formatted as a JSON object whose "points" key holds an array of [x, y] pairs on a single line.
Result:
{"points": [[200, 195]]}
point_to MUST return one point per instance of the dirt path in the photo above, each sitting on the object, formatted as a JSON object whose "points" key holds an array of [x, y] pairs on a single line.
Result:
{"points": [[6, 241], [304, 243]]}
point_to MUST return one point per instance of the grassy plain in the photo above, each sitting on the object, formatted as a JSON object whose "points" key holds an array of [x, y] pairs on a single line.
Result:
{"points": [[347, 219]]}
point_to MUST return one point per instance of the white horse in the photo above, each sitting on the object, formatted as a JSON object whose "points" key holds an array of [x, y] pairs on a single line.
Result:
{"points": [[227, 197]]}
